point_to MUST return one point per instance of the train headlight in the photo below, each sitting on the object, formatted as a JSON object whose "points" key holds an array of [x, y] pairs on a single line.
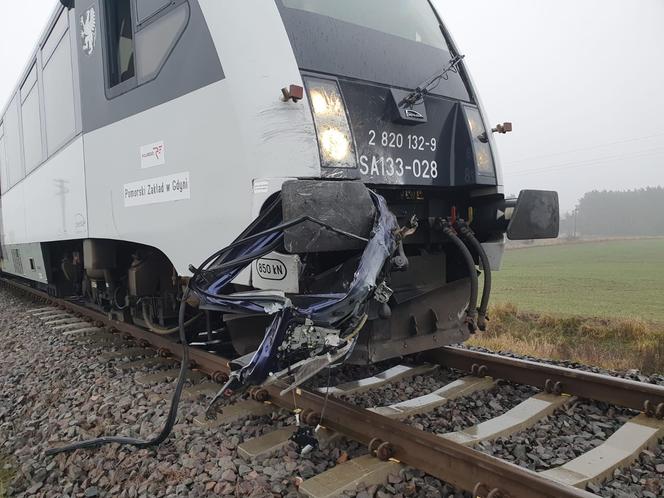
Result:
{"points": [[480, 144], [332, 128], [335, 144]]}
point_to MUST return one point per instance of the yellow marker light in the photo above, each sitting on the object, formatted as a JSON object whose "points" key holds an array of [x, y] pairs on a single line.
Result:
{"points": [[481, 149], [475, 127], [484, 162], [335, 144]]}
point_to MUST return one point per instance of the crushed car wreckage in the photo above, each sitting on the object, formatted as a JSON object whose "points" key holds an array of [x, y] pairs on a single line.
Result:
{"points": [[307, 333]]}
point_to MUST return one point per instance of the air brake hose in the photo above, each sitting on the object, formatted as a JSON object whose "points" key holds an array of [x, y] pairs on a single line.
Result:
{"points": [[471, 313], [468, 234], [172, 414], [153, 327]]}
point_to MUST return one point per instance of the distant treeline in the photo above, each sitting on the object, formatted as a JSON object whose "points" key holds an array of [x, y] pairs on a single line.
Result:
{"points": [[608, 213]]}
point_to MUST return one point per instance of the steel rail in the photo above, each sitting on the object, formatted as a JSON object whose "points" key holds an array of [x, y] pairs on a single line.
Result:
{"points": [[451, 462], [615, 390]]}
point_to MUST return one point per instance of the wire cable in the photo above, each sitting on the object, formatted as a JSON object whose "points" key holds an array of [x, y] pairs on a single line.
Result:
{"points": [[583, 149], [599, 161], [172, 413]]}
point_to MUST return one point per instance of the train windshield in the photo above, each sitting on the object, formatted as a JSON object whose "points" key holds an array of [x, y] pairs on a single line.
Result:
{"points": [[412, 20], [397, 43]]}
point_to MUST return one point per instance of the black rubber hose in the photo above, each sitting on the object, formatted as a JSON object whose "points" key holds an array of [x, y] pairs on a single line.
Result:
{"points": [[175, 400], [471, 317], [469, 235], [274, 229], [172, 414]]}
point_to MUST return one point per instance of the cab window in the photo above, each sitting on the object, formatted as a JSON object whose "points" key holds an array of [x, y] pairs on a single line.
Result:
{"points": [[140, 34], [414, 20], [120, 36]]}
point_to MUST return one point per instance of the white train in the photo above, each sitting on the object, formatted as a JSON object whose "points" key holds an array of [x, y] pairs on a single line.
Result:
{"points": [[145, 135]]}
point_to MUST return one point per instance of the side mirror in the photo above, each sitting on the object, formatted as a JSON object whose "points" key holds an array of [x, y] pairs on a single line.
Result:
{"points": [[69, 4], [536, 216]]}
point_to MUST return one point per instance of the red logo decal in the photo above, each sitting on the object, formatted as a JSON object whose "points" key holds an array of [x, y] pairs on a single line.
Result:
{"points": [[157, 151]]}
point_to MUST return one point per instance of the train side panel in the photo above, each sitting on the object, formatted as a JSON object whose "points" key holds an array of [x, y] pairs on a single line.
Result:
{"points": [[211, 111], [13, 216], [55, 200], [179, 176], [48, 205], [25, 260]]}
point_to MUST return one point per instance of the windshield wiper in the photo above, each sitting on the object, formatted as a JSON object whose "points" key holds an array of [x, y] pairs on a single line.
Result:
{"points": [[417, 95]]}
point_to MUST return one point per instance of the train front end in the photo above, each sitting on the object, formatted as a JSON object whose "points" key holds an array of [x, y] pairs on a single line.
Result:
{"points": [[394, 108], [379, 256]]}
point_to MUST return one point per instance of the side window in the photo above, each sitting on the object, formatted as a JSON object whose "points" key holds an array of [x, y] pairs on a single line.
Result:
{"points": [[32, 134], [145, 9], [42, 116], [58, 82], [15, 172], [155, 41], [140, 40], [120, 42]]}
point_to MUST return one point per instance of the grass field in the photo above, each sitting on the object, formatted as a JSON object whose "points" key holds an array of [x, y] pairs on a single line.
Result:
{"points": [[6, 476], [604, 279], [599, 303]]}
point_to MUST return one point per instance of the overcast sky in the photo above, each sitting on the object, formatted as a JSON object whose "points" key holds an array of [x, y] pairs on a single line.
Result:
{"points": [[582, 81]]}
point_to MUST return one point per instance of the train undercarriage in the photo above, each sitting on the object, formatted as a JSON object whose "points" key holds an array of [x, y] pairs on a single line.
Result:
{"points": [[340, 272]]}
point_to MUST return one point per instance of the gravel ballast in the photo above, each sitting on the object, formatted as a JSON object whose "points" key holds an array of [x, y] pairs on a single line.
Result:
{"points": [[645, 478], [409, 482], [348, 373], [565, 435], [459, 414], [404, 389], [55, 390]]}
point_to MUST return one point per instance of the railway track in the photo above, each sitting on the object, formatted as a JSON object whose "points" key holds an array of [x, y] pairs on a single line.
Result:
{"points": [[391, 442]]}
